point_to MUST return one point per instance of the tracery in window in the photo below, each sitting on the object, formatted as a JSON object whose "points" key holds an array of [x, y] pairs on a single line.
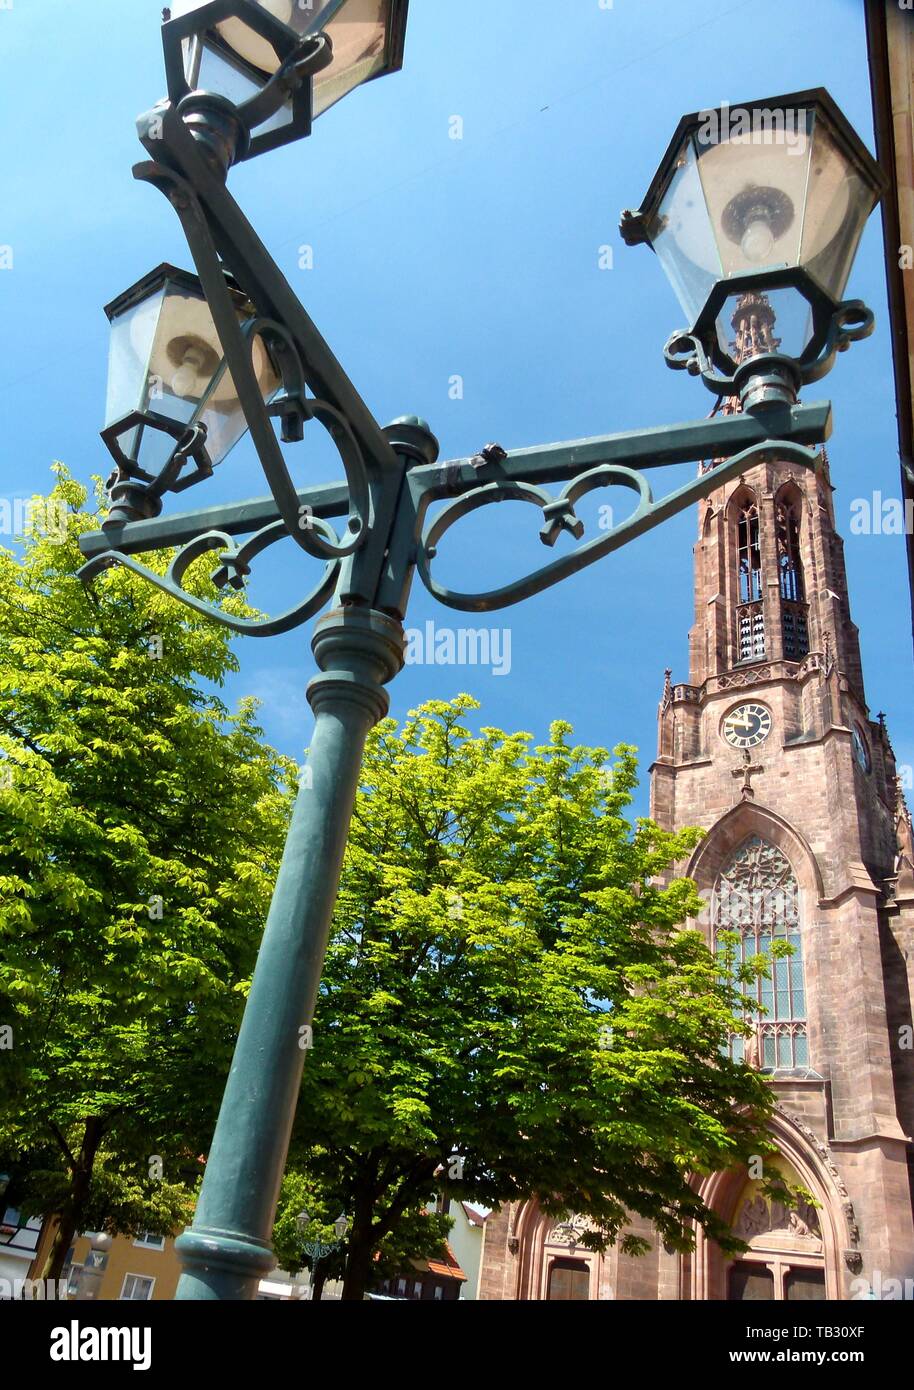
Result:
{"points": [[757, 897], [790, 575], [750, 614], [750, 555]]}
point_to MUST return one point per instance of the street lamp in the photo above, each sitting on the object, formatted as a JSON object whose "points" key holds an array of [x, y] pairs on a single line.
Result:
{"points": [[271, 66], [766, 198], [318, 1250], [173, 410], [373, 532]]}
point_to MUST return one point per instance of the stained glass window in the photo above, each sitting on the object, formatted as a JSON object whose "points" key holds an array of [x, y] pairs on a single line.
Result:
{"points": [[757, 897]]}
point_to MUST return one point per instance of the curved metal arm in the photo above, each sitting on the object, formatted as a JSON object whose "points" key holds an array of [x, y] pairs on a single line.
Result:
{"points": [[559, 513], [314, 54], [234, 568], [236, 341]]}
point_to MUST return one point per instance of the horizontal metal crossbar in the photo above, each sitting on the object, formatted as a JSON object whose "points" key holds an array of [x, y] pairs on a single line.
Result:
{"points": [[658, 447]]}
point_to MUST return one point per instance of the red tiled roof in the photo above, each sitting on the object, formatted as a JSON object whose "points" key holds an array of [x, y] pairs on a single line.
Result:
{"points": [[446, 1268]]}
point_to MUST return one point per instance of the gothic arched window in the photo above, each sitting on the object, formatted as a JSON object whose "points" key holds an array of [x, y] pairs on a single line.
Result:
{"points": [[750, 555], [757, 897], [790, 573], [750, 614]]}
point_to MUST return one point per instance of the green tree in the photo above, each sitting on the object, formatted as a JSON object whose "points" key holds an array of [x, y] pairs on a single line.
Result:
{"points": [[420, 1234], [511, 1006], [141, 824]]}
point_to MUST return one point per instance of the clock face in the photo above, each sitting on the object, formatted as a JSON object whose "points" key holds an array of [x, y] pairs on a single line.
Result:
{"points": [[861, 751], [747, 726]]}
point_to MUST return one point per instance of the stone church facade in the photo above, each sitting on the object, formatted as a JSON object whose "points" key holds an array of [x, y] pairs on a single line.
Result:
{"points": [[770, 748]]}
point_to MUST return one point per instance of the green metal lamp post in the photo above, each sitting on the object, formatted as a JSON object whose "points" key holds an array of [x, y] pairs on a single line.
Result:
{"points": [[196, 360]]}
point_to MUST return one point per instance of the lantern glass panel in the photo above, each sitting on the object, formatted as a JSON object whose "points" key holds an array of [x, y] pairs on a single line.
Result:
{"points": [[793, 325], [221, 411], [754, 178], [838, 202], [681, 235], [212, 69], [359, 36], [130, 347]]}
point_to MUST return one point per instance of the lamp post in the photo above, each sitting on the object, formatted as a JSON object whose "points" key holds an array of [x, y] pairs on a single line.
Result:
{"points": [[318, 1250], [270, 77]]}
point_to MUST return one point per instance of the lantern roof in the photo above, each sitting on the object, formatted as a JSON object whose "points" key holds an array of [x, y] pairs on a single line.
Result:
{"points": [[164, 274]]}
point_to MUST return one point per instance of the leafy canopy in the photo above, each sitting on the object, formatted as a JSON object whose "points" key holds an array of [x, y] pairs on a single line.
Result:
{"points": [[511, 1005], [141, 824]]}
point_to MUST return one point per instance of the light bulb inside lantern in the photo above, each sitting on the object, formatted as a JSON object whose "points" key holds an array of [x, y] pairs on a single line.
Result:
{"points": [[758, 240], [187, 376]]}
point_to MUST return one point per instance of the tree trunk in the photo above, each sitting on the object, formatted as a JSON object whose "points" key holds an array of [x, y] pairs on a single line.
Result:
{"points": [[358, 1267], [70, 1215], [360, 1245]]}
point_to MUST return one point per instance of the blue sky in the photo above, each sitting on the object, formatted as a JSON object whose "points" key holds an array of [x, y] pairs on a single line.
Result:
{"points": [[436, 258]]}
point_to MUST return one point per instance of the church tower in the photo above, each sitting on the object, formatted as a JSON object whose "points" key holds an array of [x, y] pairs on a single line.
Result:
{"points": [[770, 748]]}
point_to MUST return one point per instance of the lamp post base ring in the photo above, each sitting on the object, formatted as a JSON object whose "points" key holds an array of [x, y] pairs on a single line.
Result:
{"points": [[359, 650], [337, 686], [212, 1258]]}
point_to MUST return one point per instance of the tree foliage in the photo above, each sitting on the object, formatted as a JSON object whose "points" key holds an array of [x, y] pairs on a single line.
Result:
{"points": [[141, 823], [511, 1005]]}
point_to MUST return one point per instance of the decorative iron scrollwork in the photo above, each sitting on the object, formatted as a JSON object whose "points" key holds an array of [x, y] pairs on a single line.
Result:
{"points": [[850, 321], [559, 513], [233, 571]]}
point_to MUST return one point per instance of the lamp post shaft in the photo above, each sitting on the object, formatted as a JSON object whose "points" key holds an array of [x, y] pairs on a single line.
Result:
{"points": [[227, 1250]]}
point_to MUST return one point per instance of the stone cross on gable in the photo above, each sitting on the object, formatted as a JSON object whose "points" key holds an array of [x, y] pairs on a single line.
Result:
{"points": [[746, 771]]}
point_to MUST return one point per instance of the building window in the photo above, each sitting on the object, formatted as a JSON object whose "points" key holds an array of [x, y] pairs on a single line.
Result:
{"points": [[569, 1280], [147, 1240], [137, 1288], [439, 1293], [401, 1288], [757, 897], [790, 564], [750, 554], [792, 584]]}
